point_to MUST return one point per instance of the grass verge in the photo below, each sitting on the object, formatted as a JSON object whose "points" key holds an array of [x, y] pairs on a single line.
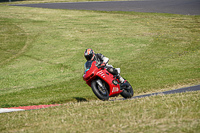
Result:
{"points": [[164, 113]]}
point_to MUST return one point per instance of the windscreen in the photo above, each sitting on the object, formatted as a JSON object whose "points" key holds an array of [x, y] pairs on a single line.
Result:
{"points": [[87, 65]]}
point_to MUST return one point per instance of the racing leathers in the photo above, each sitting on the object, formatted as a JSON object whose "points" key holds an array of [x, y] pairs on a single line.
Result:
{"points": [[104, 61]]}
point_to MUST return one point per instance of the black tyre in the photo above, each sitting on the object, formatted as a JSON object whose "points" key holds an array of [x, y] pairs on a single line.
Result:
{"points": [[127, 90], [100, 92]]}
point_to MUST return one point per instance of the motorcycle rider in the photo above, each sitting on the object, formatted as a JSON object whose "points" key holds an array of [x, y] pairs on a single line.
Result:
{"points": [[91, 56]]}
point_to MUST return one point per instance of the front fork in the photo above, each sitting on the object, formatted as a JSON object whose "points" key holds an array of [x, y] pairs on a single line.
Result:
{"points": [[99, 82]]}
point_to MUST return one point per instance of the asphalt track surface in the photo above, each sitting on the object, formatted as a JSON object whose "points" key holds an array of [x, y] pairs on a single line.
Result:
{"points": [[181, 90], [185, 7]]}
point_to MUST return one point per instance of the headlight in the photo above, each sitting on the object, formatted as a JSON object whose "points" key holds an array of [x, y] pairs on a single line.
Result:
{"points": [[115, 82]]}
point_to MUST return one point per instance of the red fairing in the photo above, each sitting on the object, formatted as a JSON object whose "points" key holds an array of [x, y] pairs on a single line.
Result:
{"points": [[102, 73], [90, 74]]}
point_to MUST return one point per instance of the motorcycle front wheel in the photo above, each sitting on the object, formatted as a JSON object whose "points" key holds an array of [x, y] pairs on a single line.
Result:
{"points": [[100, 92]]}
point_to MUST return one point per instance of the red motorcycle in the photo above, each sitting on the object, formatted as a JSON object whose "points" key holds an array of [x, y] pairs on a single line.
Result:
{"points": [[103, 83]]}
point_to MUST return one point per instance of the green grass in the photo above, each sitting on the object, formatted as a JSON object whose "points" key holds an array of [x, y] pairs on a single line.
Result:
{"points": [[41, 62], [164, 113], [42, 52]]}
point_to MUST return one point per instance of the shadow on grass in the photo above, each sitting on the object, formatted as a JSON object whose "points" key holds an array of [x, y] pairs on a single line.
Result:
{"points": [[80, 99]]}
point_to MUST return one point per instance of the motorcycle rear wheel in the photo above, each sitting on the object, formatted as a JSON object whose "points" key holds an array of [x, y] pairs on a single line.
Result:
{"points": [[128, 91], [101, 93]]}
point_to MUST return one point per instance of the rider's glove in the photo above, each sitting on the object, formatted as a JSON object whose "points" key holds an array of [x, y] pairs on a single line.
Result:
{"points": [[103, 64]]}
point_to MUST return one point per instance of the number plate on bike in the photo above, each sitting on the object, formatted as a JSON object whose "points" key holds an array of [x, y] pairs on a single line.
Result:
{"points": [[115, 89]]}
